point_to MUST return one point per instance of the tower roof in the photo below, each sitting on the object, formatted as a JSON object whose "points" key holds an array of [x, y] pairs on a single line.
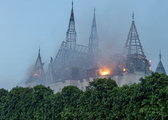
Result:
{"points": [[72, 13], [160, 67], [38, 61], [71, 33], [71, 26], [93, 40], [37, 74], [133, 43]]}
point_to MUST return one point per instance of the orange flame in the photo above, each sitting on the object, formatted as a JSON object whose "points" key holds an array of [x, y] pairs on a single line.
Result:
{"points": [[104, 71]]}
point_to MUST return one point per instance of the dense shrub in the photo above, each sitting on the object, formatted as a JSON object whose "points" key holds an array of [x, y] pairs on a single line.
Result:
{"points": [[102, 100]]}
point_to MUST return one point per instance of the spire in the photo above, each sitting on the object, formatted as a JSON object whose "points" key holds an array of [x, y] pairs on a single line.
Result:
{"points": [[94, 13], [49, 74], [39, 53], [39, 64], [160, 56], [160, 68], [71, 33], [37, 75], [39, 61], [133, 16], [93, 40], [133, 44], [72, 13], [51, 60], [135, 60]]}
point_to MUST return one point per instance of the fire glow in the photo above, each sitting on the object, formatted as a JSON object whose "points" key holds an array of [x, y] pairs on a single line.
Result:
{"points": [[104, 71], [35, 74]]}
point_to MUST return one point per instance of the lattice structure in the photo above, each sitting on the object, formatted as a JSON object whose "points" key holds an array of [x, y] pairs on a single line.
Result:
{"points": [[136, 59], [66, 55], [93, 45], [71, 32], [93, 40], [72, 59]]}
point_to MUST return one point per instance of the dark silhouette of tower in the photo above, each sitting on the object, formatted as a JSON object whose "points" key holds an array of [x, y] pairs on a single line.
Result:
{"points": [[136, 59], [160, 68], [93, 40], [49, 74], [71, 33], [93, 46], [72, 58], [37, 75]]}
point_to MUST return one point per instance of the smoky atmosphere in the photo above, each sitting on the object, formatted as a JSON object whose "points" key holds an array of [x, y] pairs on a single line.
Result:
{"points": [[29, 25]]}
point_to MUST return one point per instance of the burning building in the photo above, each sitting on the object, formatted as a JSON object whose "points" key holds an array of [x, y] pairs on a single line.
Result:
{"points": [[73, 60], [135, 64], [77, 65], [136, 60], [37, 75]]}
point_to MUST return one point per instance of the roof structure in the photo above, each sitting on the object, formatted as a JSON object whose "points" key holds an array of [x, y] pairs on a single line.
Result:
{"points": [[133, 43], [136, 59], [93, 40], [71, 32], [37, 75], [160, 68]]}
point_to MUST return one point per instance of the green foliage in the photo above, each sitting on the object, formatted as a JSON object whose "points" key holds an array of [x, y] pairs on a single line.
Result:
{"points": [[3, 92], [102, 84], [102, 100]]}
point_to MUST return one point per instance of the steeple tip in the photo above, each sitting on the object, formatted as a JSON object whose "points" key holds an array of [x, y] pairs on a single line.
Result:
{"points": [[51, 60], [72, 12], [160, 55], [39, 52], [72, 3], [94, 13], [133, 16], [71, 33], [160, 67]]}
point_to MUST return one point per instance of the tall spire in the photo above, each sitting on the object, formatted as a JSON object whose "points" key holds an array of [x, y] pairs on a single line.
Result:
{"points": [[93, 40], [132, 16], [71, 33], [37, 75], [136, 59], [39, 53], [160, 68], [72, 13], [39, 61], [133, 44], [49, 74], [160, 56]]}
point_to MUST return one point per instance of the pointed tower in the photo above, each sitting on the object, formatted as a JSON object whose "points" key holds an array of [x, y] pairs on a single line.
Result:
{"points": [[160, 67], [133, 44], [37, 74], [49, 75], [71, 33], [136, 59], [93, 40]]}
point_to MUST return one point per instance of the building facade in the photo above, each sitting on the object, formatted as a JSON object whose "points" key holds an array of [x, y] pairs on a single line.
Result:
{"points": [[77, 65]]}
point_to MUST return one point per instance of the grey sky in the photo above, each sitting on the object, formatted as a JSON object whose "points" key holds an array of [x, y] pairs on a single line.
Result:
{"points": [[27, 24]]}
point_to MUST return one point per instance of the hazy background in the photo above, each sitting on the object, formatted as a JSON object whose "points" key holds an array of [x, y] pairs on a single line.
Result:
{"points": [[26, 25]]}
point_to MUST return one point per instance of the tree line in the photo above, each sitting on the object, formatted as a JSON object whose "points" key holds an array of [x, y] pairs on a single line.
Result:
{"points": [[102, 100]]}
